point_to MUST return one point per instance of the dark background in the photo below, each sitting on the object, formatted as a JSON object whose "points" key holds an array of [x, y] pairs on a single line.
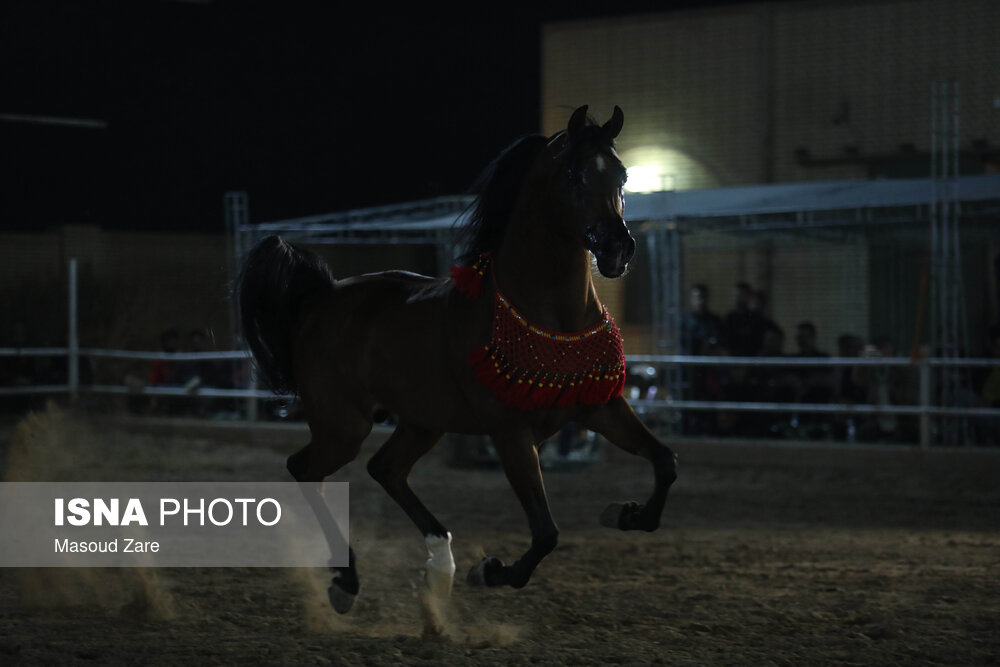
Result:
{"points": [[308, 111]]}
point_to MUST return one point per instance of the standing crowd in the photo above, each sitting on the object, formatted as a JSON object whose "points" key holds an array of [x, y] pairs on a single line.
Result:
{"points": [[747, 331]]}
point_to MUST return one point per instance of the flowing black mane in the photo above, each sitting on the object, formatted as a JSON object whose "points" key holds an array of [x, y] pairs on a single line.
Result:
{"points": [[482, 228]]}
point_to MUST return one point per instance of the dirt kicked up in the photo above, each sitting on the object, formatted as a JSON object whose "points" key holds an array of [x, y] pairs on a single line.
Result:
{"points": [[767, 555]]}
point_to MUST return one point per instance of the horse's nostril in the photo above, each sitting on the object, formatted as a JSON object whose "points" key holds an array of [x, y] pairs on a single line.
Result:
{"points": [[629, 249]]}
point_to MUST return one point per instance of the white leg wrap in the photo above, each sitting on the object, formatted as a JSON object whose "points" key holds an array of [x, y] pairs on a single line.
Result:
{"points": [[440, 565]]}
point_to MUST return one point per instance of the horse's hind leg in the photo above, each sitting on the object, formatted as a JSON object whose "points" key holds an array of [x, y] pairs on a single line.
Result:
{"points": [[519, 458], [329, 450], [617, 422], [391, 467]]}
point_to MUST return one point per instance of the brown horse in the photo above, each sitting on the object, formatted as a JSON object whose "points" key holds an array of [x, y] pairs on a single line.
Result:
{"points": [[448, 354]]}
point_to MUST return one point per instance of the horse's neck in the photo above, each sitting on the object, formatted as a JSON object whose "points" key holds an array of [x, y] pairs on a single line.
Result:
{"points": [[547, 279]]}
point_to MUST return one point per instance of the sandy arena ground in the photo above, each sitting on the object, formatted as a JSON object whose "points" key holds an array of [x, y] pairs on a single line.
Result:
{"points": [[791, 555]]}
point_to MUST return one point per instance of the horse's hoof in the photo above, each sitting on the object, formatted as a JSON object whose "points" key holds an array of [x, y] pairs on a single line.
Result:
{"points": [[439, 583], [340, 600], [625, 516], [612, 515], [479, 575], [440, 570]]}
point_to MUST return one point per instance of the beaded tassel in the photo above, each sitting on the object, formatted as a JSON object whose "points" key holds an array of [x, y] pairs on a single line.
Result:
{"points": [[469, 279], [528, 367]]}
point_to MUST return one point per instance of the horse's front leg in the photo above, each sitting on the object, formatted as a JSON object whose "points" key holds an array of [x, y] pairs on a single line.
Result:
{"points": [[519, 458], [617, 422], [391, 467]]}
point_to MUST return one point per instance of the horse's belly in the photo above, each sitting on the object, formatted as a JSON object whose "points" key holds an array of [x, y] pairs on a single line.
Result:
{"points": [[412, 361], [400, 345]]}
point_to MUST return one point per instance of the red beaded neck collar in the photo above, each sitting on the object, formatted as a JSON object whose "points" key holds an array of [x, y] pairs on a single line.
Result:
{"points": [[528, 367]]}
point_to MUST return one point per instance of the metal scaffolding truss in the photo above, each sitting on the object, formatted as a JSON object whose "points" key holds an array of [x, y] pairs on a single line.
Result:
{"points": [[949, 320], [662, 218], [813, 204], [814, 208], [758, 208], [411, 222]]}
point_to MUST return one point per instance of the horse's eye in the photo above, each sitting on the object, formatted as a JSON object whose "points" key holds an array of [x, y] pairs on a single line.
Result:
{"points": [[577, 177]]}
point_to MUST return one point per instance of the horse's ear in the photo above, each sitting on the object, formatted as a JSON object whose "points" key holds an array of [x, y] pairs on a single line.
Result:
{"points": [[613, 127], [577, 121]]}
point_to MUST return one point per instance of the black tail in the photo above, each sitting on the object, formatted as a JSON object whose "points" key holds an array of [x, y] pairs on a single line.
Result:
{"points": [[276, 278]]}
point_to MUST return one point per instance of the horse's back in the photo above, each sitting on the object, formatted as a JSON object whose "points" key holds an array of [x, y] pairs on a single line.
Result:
{"points": [[394, 276], [387, 338], [386, 291]]}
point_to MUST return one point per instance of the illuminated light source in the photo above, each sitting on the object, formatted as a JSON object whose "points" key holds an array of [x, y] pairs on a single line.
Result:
{"points": [[658, 167], [655, 168], [648, 178]]}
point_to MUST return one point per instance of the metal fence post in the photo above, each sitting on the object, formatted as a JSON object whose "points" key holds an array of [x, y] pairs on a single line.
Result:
{"points": [[925, 403], [73, 352], [252, 411]]}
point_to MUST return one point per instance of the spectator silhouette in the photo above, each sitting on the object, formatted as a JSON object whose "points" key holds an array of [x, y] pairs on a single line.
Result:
{"points": [[164, 371], [743, 327], [771, 384], [736, 387], [988, 389], [758, 311], [707, 385], [848, 389], [203, 372], [815, 383], [754, 383], [700, 325], [701, 331], [805, 339], [882, 386]]}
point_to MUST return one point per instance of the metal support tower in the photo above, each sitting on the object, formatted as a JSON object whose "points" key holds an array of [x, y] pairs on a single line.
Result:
{"points": [[663, 243], [237, 222], [949, 330], [237, 219]]}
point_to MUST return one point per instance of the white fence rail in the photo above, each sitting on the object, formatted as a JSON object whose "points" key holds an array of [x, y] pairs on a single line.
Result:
{"points": [[925, 409]]}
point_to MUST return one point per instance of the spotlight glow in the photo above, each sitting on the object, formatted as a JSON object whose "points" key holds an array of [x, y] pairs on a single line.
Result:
{"points": [[648, 178]]}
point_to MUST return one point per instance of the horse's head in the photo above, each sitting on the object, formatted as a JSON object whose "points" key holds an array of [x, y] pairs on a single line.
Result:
{"points": [[588, 179]]}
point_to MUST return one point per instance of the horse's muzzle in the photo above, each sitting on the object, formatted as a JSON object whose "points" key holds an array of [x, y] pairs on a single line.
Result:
{"points": [[612, 262]]}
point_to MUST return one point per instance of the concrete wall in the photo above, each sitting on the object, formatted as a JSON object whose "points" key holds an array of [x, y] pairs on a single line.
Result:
{"points": [[731, 93], [727, 96], [133, 286]]}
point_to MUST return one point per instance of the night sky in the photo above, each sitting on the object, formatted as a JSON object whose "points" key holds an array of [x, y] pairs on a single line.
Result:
{"points": [[309, 112]]}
